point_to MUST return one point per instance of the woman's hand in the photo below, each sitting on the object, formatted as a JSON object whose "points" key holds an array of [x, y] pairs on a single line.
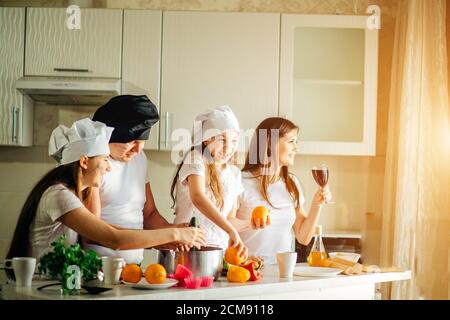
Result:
{"points": [[322, 196], [181, 246], [194, 237], [236, 242], [259, 223]]}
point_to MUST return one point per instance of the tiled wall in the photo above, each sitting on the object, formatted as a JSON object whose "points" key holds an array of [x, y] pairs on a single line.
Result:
{"points": [[356, 182]]}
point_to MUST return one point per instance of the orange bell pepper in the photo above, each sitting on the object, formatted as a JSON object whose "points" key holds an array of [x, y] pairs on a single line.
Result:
{"points": [[237, 274]]}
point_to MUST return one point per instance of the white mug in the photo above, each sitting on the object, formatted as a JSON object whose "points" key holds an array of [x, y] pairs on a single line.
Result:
{"points": [[112, 269], [286, 263], [23, 270]]}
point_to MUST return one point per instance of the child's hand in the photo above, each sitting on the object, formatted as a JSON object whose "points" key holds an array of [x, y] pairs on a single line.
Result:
{"points": [[236, 242], [181, 225]]}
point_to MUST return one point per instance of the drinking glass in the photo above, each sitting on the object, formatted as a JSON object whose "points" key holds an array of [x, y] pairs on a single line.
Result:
{"points": [[321, 175]]}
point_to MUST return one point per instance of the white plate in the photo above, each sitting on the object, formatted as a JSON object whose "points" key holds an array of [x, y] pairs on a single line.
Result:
{"points": [[349, 256], [143, 284], [306, 271]]}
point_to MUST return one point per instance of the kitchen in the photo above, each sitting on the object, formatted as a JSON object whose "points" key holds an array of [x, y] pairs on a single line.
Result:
{"points": [[362, 141]]}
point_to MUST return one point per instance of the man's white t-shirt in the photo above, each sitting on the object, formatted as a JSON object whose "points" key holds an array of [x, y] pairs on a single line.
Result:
{"points": [[231, 185], [55, 202], [122, 196], [277, 236]]}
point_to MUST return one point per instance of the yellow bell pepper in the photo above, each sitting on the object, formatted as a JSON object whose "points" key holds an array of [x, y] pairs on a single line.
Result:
{"points": [[237, 274]]}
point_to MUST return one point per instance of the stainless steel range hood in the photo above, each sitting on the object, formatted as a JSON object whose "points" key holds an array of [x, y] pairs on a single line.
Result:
{"points": [[69, 90]]}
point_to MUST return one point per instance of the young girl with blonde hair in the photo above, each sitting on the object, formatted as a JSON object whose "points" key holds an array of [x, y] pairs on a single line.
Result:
{"points": [[207, 184]]}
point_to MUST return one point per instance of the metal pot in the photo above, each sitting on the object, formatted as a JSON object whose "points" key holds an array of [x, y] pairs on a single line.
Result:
{"points": [[208, 261]]}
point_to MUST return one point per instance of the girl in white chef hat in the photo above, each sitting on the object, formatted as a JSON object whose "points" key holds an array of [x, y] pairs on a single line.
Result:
{"points": [[206, 184], [55, 206]]}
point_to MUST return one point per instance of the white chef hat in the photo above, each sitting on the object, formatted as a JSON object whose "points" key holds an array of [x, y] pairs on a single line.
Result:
{"points": [[213, 123], [84, 137]]}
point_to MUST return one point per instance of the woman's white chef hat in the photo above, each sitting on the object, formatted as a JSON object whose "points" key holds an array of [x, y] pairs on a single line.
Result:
{"points": [[84, 137], [213, 123]]}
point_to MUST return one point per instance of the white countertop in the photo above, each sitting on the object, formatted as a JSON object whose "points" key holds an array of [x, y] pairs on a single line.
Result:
{"points": [[221, 289]]}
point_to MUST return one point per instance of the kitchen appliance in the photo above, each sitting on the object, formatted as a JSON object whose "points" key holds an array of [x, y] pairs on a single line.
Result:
{"points": [[207, 261], [69, 90]]}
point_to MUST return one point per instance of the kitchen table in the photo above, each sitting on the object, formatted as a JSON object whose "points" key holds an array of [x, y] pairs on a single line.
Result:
{"points": [[271, 287]]}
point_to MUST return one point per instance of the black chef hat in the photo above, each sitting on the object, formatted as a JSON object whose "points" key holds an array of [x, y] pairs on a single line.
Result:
{"points": [[130, 116]]}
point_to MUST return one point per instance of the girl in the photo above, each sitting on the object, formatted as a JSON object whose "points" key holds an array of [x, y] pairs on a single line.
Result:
{"points": [[55, 205], [267, 182], [207, 185]]}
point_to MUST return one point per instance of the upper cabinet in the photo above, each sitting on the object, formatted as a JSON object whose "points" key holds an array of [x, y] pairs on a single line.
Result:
{"points": [[319, 71], [328, 82], [16, 113], [94, 50], [211, 59], [142, 59]]}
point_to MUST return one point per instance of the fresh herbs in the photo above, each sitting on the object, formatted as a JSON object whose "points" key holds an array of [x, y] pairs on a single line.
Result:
{"points": [[56, 262]]}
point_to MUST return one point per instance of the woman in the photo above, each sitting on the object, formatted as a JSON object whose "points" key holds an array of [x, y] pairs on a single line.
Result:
{"points": [[267, 182], [55, 205]]}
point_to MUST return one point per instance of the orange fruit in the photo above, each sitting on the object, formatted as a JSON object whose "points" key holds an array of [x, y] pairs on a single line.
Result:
{"points": [[262, 213], [132, 273], [232, 257], [155, 273]]}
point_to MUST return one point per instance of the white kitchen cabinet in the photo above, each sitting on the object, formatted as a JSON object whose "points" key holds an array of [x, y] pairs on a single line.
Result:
{"points": [[16, 113], [94, 50], [328, 82], [211, 59], [141, 64]]}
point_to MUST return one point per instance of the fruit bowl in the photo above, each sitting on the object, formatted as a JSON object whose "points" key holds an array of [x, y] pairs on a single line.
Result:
{"points": [[349, 256]]}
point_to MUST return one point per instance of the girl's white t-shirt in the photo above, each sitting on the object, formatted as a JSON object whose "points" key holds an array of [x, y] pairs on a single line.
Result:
{"points": [[231, 185], [55, 202], [278, 235], [122, 196]]}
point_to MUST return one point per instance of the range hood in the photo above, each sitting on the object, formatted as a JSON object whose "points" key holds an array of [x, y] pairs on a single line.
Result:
{"points": [[69, 90]]}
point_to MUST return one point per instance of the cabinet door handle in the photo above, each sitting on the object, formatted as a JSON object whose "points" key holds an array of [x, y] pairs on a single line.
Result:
{"points": [[14, 125], [70, 70], [166, 129]]}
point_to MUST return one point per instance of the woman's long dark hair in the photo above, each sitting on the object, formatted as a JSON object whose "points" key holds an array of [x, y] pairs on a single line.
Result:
{"points": [[67, 175]]}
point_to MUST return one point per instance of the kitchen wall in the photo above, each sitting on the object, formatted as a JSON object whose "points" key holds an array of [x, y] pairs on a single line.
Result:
{"points": [[356, 182], [448, 40]]}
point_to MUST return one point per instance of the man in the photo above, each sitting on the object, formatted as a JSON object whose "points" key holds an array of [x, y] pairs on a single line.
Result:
{"points": [[125, 198]]}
